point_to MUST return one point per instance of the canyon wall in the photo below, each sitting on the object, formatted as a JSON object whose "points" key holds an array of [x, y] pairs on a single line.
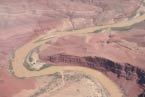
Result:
{"points": [[126, 71]]}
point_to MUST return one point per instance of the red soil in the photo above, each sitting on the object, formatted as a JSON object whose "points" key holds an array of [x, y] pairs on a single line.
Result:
{"points": [[10, 85]]}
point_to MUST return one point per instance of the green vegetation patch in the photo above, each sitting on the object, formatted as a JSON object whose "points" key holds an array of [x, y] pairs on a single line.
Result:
{"points": [[29, 67], [121, 28], [126, 28], [30, 59], [99, 30]]}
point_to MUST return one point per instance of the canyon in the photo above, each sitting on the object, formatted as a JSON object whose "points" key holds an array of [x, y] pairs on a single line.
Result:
{"points": [[105, 38], [120, 70]]}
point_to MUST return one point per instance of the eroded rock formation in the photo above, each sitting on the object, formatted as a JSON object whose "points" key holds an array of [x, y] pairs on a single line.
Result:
{"points": [[121, 70]]}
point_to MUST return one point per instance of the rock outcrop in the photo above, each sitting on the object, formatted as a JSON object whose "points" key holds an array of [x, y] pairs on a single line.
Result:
{"points": [[121, 70], [126, 70]]}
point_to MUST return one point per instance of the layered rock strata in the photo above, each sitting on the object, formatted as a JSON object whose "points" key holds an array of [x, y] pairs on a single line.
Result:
{"points": [[126, 71]]}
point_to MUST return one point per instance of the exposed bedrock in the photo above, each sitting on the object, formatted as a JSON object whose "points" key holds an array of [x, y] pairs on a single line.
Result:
{"points": [[121, 70]]}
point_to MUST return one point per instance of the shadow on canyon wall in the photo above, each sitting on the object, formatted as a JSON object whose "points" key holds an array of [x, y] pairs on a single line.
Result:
{"points": [[125, 70]]}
